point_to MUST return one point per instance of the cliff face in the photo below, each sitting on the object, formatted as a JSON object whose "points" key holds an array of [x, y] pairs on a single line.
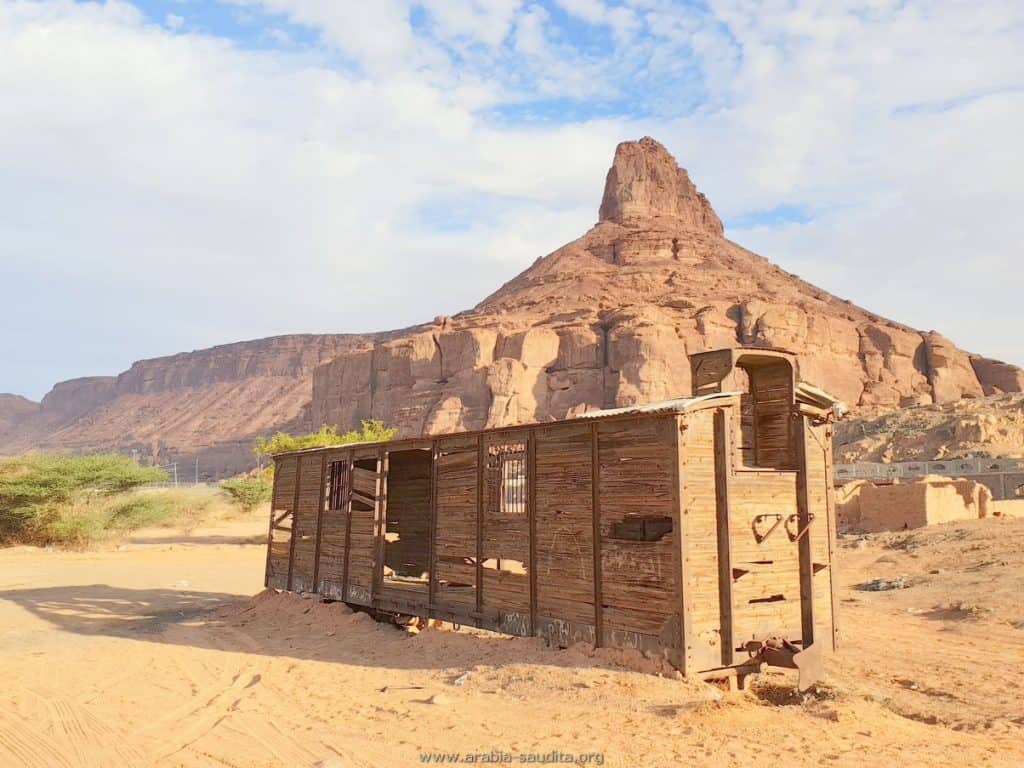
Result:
{"points": [[14, 411], [207, 405], [607, 320]]}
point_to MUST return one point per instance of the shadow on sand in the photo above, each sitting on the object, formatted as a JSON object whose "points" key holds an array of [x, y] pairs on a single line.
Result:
{"points": [[226, 622]]}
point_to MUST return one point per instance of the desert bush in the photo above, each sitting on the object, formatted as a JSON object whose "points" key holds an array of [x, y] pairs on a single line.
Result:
{"points": [[248, 492], [49, 498], [372, 431]]}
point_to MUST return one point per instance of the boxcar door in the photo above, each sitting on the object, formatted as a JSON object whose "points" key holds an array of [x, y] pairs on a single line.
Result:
{"points": [[765, 563]]}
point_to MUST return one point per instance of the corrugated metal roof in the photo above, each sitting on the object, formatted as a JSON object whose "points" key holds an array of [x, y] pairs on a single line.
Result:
{"points": [[678, 405]]}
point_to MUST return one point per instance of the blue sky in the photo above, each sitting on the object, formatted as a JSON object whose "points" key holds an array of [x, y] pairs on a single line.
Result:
{"points": [[183, 173]]}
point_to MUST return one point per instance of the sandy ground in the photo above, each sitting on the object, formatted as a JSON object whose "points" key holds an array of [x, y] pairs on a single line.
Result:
{"points": [[157, 654]]}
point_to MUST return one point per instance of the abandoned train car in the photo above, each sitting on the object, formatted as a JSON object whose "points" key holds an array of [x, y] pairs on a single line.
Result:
{"points": [[702, 528]]}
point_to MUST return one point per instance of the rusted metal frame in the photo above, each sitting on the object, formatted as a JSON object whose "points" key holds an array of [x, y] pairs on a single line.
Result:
{"points": [[723, 475], [295, 517], [803, 511], [595, 504], [380, 517], [481, 467], [682, 543], [347, 505], [830, 520], [531, 511], [435, 454], [319, 523], [273, 524]]}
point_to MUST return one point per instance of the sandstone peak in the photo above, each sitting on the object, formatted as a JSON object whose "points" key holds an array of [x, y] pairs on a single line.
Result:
{"points": [[645, 181]]}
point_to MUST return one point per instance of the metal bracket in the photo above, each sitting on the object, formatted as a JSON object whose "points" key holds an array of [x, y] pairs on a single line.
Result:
{"points": [[778, 652], [758, 536], [800, 532]]}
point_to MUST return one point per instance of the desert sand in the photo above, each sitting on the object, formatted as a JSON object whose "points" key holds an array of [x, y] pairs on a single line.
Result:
{"points": [[166, 652]]}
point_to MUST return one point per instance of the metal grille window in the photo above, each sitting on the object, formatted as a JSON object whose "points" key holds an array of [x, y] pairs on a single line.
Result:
{"points": [[337, 485], [506, 470]]}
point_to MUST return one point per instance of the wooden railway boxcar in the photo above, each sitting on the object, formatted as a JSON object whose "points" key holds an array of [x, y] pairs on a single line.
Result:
{"points": [[702, 528]]}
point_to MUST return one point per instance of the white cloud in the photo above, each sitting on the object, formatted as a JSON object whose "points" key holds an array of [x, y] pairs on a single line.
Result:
{"points": [[166, 191]]}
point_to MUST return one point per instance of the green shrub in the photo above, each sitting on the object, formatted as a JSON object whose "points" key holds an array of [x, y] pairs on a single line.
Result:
{"points": [[139, 511], [372, 431], [247, 492], [64, 499]]}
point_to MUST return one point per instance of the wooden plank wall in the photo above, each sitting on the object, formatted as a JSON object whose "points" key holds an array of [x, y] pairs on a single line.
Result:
{"points": [[456, 531], [770, 568], [637, 477], [334, 533], [565, 530], [306, 518], [362, 551], [506, 532], [822, 531], [701, 586], [771, 387]]}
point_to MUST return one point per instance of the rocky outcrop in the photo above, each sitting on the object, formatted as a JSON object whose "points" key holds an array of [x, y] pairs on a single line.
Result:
{"points": [[991, 426], [645, 182], [997, 377], [606, 320]]}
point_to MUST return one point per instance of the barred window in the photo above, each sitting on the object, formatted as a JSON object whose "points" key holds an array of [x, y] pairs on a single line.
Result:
{"points": [[337, 485]]}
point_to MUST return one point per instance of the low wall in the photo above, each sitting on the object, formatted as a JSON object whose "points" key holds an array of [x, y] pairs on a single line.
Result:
{"points": [[868, 507]]}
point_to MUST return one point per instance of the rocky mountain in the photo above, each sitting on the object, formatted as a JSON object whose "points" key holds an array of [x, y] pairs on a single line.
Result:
{"points": [[606, 320], [609, 319]]}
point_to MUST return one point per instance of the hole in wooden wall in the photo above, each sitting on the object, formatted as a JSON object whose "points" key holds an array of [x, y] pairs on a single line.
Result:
{"points": [[642, 528], [771, 599]]}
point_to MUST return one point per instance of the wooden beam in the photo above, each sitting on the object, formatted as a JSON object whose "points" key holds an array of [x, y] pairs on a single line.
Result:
{"points": [[364, 499], [273, 525], [595, 509], [723, 475], [380, 522], [295, 517], [347, 504], [682, 544], [481, 465], [830, 516], [435, 454], [803, 515], [531, 512], [319, 523]]}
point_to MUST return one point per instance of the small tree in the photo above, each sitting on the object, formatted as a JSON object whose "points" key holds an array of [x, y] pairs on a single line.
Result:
{"points": [[248, 492], [372, 431]]}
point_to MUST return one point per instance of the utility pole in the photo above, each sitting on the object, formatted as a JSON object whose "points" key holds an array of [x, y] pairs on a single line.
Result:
{"points": [[197, 470], [175, 466]]}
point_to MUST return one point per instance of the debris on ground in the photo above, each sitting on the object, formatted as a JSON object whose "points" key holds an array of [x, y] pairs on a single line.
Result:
{"points": [[883, 585]]}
